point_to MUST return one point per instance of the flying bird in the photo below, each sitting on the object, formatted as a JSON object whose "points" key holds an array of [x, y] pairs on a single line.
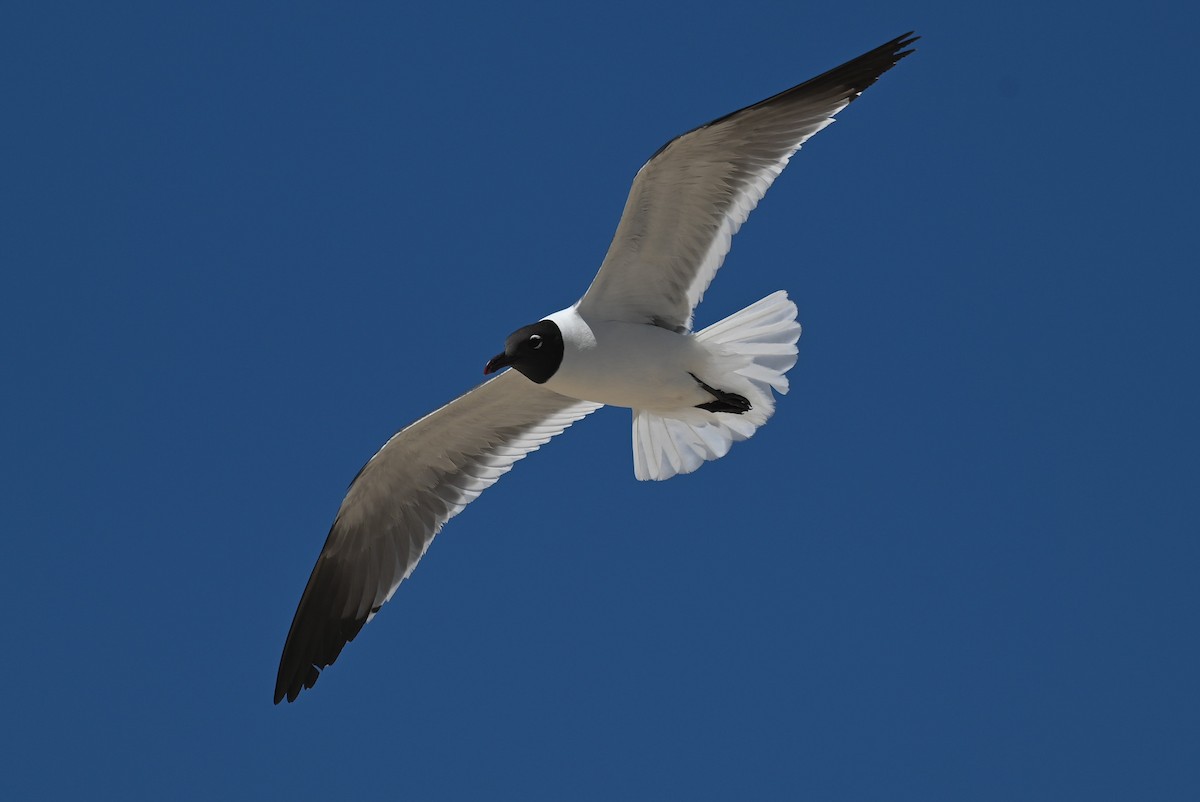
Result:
{"points": [[627, 342]]}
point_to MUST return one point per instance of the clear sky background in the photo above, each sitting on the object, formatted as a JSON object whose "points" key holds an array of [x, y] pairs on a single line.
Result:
{"points": [[242, 244]]}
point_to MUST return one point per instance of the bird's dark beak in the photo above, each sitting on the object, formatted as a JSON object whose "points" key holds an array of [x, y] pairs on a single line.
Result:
{"points": [[495, 363]]}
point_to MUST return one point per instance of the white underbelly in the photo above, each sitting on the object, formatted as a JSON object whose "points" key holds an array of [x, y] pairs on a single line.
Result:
{"points": [[630, 365]]}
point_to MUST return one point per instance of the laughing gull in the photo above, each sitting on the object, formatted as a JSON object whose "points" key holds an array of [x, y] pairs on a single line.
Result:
{"points": [[627, 342]]}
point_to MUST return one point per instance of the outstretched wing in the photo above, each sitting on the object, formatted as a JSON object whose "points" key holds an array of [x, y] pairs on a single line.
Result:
{"points": [[421, 478], [693, 195]]}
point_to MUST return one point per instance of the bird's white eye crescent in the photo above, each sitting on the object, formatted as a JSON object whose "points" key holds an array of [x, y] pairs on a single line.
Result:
{"points": [[535, 340]]}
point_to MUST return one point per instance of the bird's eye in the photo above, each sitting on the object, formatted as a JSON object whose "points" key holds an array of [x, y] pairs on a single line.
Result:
{"points": [[535, 341]]}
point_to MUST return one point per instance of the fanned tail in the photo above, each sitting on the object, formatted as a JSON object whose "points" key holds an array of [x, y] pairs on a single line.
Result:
{"points": [[752, 352]]}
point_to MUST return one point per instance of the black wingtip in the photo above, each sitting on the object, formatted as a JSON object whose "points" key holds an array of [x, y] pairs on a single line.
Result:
{"points": [[289, 687], [314, 643], [859, 73], [902, 41], [846, 81], [319, 630]]}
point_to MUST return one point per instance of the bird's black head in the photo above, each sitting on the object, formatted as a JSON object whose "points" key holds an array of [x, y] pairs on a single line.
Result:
{"points": [[535, 350]]}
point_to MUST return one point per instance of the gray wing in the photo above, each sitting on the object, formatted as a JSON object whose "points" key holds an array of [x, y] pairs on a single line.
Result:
{"points": [[421, 478], [693, 195]]}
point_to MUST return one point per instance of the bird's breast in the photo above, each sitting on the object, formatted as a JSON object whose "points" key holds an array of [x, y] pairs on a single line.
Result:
{"points": [[628, 364]]}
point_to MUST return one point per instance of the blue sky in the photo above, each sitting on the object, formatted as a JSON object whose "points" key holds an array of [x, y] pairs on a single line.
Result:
{"points": [[244, 243]]}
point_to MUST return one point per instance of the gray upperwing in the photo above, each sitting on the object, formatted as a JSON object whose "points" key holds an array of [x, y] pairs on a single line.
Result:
{"points": [[423, 476], [688, 201]]}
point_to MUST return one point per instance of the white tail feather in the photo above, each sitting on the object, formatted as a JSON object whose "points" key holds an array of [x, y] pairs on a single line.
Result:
{"points": [[751, 350]]}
